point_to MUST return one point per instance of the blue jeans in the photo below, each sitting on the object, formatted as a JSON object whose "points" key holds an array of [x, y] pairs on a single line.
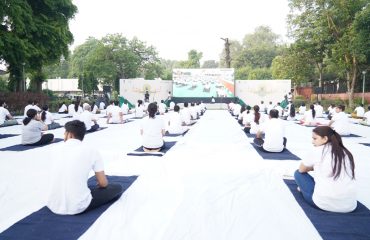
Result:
{"points": [[306, 184]]}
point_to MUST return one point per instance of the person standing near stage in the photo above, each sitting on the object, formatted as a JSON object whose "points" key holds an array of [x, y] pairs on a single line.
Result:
{"points": [[146, 96]]}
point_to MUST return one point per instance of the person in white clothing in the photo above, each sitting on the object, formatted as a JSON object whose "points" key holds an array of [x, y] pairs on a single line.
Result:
{"points": [[309, 118], [125, 108], [236, 109], [340, 122], [152, 130], [71, 109], [48, 119], [366, 118], [254, 121], [140, 109], [114, 113], [186, 115], [262, 107], [269, 107], [247, 116], [102, 105], [63, 108], [162, 108], [29, 106], [193, 112], [175, 123], [32, 130], [77, 110], [319, 110], [302, 109], [359, 111], [172, 105], [69, 193], [333, 186], [279, 109], [95, 108], [273, 128], [6, 119], [88, 119]]}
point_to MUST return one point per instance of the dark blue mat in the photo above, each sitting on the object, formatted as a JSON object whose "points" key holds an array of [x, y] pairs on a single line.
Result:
{"points": [[7, 135], [366, 144], [44, 224], [99, 129], [251, 135], [140, 151], [176, 135], [20, 147], [284, 155], [349, 136], [335, 226]]}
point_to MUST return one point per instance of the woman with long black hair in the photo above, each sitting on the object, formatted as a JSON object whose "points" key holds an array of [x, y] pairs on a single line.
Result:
{"points": [[32, 130]]}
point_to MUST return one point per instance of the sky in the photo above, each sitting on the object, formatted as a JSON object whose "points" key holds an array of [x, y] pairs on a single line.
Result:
{"points": [[175, 27]]}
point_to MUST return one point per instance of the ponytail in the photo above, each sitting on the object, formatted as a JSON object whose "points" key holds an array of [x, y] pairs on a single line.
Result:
{"points": [[152, 109], [338, 152], [43, 114], [31, 113], [312, 107]]}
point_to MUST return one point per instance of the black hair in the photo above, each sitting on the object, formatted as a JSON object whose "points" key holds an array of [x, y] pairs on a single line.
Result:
{"points": [[31, 113], [192, 104], [1, 102], [186, 104], [176, 108], [368, 107], [242, 109], [139, 102], [338, 151], [312, 107], [257, 114], [248, 108], [341, 107], [77, 104], [43, 114], [292, 110], [77, 128], [152, 109], [30, 101], [303, 104], [274, 113], [162, 101]]}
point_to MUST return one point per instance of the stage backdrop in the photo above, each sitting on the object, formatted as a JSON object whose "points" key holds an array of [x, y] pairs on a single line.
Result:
{"points": [[134, 89], [204, 82], [254, 91]]}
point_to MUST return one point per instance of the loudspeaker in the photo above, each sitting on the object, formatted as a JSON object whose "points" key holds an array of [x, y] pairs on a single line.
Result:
{"points": [[317, 90]]}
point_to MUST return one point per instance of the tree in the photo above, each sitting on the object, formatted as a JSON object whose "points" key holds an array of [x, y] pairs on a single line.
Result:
{"points": [[34, 33], [193, 60], [210, 64]]}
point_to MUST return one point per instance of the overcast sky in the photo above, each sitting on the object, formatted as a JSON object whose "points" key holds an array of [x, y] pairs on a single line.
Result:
{"points": [[175, 27]]}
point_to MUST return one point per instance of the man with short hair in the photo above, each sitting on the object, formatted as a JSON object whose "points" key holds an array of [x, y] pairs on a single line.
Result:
{"points": [[69, 193], [275, 140], [6, 119]]}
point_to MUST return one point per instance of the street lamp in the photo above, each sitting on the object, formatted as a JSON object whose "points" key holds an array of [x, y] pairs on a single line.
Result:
{"points": [[363, 87]]}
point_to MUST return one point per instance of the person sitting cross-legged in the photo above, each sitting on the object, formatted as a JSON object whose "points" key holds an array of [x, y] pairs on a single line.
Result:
{"points": [[274, 134], [69, 193], [88, 118], [6, 119]]}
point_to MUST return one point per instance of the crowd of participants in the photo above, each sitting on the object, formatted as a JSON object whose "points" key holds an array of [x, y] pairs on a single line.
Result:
{"points": [[332, 162]]}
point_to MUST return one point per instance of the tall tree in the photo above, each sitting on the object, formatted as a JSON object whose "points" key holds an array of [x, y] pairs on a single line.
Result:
{"points": [[193, 60], [210, 64]]}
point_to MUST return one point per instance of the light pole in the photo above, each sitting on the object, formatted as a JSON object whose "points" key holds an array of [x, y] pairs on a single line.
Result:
{"points": [[23, 80], [363, 87]]}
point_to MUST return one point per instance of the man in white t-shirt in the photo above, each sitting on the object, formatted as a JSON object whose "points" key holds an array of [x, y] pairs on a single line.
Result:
{"points": [[69, 193], [63, 108], [6, 119], [193, 112], [175, 123], [359, 111], [279, 109], [114, 113], [186, 115], [88, 118], [102, 105], [273, 128], [125, 108], [162, 108], [262, 107], [319, 110], [340, 122]]}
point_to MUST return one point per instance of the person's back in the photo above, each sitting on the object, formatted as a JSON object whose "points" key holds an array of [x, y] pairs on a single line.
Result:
{"points": [[87, 118], [63, 109], [26, 108], [152, 129], [162, 107], [302, 109], [367, 116], [3, 114], [175, 122], [172, 105], [360, 111], [140, 109], [125, 108], [71, 109], [319, 110], [101, 105], [341, 123], [185, 115], [274, 135]]}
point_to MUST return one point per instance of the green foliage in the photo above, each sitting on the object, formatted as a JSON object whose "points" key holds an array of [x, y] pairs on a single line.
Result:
{"points": [[193, 60], [260, 74], [210, 64], [3, 84]]}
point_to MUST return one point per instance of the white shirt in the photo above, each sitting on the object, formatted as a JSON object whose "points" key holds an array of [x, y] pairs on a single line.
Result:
{"points": [[115, 111], [3, 113], [139, 111], [302, 109], [69, 193], [31, 133], [341, 124], [28, 107], [175, 123], [162, 108], [63, 108], [367, 116], [193, 112], [254, 126], [280, 110], [76, 115], [335, 195], [185, 115], [48, 118], [71, 109], [95, 109], [360, 111], [319, 110], [236, 109], [262, 107], [125, 108], [152, 131], [172, 105], [269, 108], [101, 105], [87, 117], [247, 117], [274, 135], [308, 119]]}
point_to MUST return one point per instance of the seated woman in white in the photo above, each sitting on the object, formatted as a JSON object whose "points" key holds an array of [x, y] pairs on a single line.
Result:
{"points": [[139, 110], [175, 122], [302, 109], [273, 128], [63, 108], [254, 121], [152, 130], [114, 113], [162, 108], [87, 117], [71, 109], [309, 118], [340, 122], [359, 111], [319, 110], [32, 130], [193, 112], [332, 187], [186, 115], [240, 117], [125, 108], [247, 116], [77, 111], [6, 119], [95, 108], [48, 119]]}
